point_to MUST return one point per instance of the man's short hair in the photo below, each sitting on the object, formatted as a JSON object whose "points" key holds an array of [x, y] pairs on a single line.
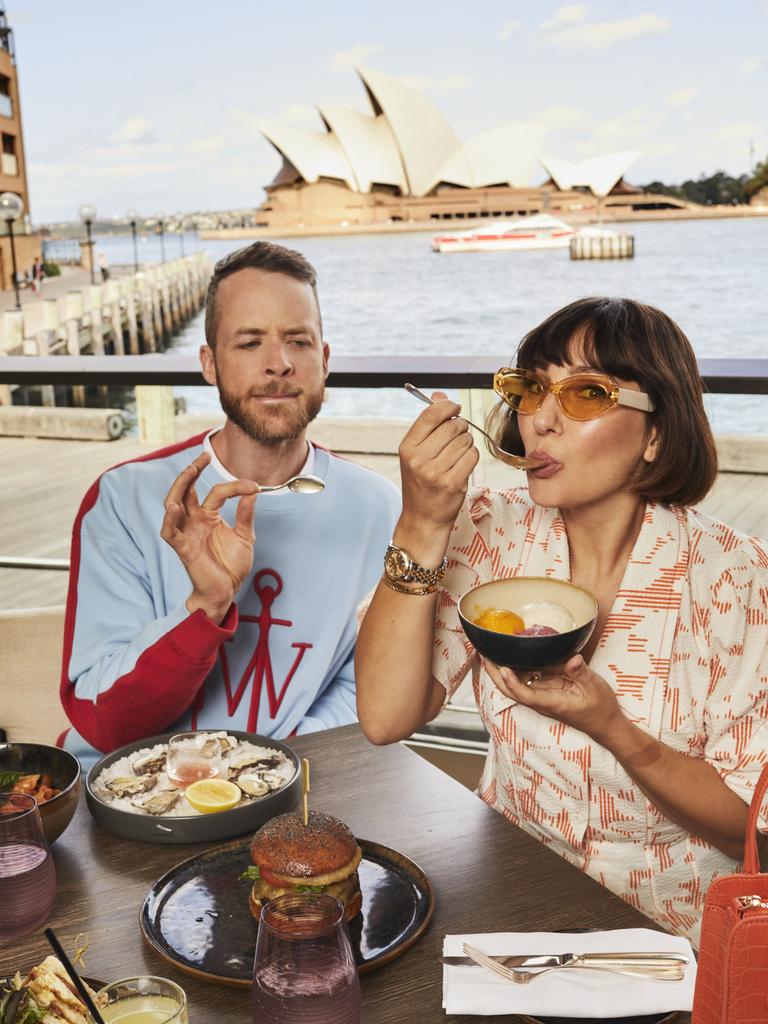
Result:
{"points": [[268, 256]]}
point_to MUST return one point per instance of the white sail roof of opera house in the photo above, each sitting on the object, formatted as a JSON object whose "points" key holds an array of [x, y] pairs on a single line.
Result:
{"points": [[598, 173], [369, 146], [405, 142]]}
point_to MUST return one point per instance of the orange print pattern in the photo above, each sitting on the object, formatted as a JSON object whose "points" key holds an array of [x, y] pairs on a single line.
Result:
{"points": [[685, 648]]}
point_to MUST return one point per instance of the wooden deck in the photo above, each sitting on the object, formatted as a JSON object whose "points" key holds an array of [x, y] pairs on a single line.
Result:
{"points": [[45, 480]]}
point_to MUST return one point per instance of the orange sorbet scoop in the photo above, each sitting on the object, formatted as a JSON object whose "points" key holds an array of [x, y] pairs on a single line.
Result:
{"points": [[500, 621]]}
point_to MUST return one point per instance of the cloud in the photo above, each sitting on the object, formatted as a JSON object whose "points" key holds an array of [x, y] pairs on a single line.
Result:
{"points": [[561, 116], [680, 97], [137, 130], [569, 31], [750, 65], [296, 113], [509, 28], [348, 60], [437, 86]]}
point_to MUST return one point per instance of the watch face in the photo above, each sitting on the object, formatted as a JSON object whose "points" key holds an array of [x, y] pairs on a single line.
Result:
{"points": [[397, 563]]}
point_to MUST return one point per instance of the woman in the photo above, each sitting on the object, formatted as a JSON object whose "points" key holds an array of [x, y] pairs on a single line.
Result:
{"points": [[636, 759]]}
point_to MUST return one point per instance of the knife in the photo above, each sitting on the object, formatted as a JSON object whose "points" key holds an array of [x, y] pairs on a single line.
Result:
{"points": [[615, 961]]}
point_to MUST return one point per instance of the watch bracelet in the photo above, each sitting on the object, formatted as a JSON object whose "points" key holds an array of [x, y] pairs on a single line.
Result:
{"points": [[400, 588]]}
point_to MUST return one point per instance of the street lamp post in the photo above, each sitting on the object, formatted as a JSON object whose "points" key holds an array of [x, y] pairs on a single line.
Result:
{"points": [[133, 217], [88, 216], [11, 208], [161, 225], [181, 235]]}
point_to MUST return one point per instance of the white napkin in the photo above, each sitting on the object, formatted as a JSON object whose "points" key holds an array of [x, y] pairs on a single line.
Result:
{"points": [[569, 992]]}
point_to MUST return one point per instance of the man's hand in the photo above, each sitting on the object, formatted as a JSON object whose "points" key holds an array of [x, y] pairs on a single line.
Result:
{"points": [[571, 693], [216, 556], [437, 457]]}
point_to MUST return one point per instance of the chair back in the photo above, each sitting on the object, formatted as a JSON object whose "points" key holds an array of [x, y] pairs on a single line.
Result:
{"points": [[31, 641]]}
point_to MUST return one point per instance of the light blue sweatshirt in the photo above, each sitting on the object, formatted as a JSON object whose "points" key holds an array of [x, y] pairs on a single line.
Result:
{"points": [[137, 664]]}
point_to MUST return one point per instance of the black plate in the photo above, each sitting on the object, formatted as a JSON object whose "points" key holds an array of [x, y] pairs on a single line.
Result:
{"points": [[197, 916]]}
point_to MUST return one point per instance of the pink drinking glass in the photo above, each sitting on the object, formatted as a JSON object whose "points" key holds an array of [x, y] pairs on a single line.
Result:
{"points": [[304, 970], [27, 874]]}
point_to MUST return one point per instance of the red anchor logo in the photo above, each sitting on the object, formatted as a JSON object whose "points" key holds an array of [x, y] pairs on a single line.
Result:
{"points": [[268, 585]]}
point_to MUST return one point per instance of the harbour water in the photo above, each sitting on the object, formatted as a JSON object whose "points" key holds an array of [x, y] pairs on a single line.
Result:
{"points": [[391, 294]]}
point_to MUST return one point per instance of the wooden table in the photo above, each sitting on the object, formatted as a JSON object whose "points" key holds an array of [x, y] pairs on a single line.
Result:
{"points": [[487, 876]]}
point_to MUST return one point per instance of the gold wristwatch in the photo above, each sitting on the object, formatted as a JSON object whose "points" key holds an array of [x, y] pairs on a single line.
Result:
{"points": [[400, 567]]}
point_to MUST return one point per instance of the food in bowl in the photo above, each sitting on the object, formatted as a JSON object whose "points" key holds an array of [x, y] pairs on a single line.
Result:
{"points": [[537, 618], [289, 857], [57, 801], [139, 782], [558, 618], [37, 785], [45, 994]]}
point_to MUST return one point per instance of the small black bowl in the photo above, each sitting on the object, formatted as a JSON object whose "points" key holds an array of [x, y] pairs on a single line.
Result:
{"points": [[198, 828], [528, 652], [64, 770]]}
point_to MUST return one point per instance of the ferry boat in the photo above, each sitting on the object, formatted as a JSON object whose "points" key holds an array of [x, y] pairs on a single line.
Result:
{"points": [[537, 232]]}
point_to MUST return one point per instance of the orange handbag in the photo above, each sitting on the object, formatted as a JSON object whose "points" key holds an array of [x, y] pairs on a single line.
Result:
{"points": [[732, 975]]}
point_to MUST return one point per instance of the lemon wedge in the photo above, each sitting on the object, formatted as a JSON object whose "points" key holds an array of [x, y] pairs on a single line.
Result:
{"points": [[211, 795]]}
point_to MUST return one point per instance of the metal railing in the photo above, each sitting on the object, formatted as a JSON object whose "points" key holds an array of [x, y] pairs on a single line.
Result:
{"points": [[721, 376]]}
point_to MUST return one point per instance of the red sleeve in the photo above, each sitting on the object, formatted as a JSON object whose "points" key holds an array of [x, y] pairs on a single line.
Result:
{"points": [[160, 688]]}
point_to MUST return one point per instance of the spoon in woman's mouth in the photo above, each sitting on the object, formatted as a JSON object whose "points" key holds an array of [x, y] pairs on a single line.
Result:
{"points": [[518, 461], [302, 484]]}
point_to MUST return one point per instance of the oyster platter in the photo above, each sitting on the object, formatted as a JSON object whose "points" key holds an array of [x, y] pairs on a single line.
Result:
{"points": [[139, 782]]}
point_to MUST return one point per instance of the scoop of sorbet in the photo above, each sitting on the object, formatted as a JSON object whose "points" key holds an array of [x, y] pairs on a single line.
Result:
{"points": [[537, 630]]}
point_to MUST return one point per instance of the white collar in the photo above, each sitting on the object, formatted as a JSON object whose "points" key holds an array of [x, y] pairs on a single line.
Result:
{"points": [[224, 473]]}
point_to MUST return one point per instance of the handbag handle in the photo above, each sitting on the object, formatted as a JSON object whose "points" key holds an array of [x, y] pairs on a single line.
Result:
{"points": [[751, 859]]}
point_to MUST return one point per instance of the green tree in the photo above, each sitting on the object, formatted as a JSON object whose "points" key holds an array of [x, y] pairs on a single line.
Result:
{"points": [[758, 180]]}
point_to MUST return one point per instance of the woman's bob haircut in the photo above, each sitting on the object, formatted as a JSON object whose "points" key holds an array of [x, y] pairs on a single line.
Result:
{"points": [[633, 342]]}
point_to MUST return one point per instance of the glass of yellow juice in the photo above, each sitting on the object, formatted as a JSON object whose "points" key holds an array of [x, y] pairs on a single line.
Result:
{"points": [[142, 1000]]}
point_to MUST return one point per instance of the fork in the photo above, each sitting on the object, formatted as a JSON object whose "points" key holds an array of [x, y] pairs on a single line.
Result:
{"points": [[657, 973], [518, 461]]}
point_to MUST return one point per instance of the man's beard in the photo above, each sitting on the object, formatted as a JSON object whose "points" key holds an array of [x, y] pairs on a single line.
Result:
{"points": [[271, 425]]}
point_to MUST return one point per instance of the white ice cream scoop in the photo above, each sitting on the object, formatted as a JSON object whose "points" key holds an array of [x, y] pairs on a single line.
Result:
{"points": [[547, 613]]}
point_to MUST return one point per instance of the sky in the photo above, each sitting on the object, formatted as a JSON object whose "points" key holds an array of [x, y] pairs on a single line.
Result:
{"points": [[156, 104]]}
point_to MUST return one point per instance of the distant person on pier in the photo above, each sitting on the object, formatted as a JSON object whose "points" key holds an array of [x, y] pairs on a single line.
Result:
{"points": [[103, 266], [195, 602], [38, 276]]}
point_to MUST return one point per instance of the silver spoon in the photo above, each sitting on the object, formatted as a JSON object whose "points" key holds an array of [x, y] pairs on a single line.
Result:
{"points": [[298, 484], [518, 461]]}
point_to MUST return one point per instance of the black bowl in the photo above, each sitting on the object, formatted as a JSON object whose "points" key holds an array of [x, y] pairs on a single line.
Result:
{"points": [[198, 828], [528, 652], [64, 770]]}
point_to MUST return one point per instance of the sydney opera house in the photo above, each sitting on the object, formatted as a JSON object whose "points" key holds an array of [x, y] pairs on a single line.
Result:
{"points": [[402, 161]]}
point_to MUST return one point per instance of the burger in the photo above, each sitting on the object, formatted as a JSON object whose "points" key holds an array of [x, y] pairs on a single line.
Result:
{"points": [[289, 857]]}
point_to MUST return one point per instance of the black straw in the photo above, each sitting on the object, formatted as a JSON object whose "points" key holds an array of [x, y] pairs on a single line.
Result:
{"points": [[81, 989]]}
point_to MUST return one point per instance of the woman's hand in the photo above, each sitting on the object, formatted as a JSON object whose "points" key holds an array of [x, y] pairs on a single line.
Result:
{"points": [[570, 693], [437, 457], [217, 556]]}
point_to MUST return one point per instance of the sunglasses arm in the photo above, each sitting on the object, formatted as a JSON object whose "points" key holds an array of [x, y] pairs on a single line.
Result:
{"points": [[635, 399]]}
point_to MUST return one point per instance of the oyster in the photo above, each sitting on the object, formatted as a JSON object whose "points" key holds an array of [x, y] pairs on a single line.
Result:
{"points": [[251, 763], [150, 764], [252, 785], [161, 802], [273, 779], [127, 786]]}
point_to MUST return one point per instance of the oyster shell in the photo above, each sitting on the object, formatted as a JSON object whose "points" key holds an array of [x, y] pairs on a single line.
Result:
{"points": [[150, 764], [130, 786], [161, 802], [273, 779], [252, 764], [252, 785]]}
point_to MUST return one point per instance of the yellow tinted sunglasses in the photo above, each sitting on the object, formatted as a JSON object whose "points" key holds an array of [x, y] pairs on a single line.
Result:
{"points": [[584, 396]]}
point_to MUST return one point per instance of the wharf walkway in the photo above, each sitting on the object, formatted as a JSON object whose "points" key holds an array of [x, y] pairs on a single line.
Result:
{"points": [[45, 480]]}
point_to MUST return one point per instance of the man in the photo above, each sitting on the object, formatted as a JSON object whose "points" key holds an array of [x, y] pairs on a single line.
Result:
{"points": [[195, 601]]}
